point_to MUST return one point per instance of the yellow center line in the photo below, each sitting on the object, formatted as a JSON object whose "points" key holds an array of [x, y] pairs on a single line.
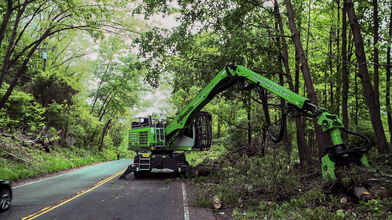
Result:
{"points": [[50, 208]]}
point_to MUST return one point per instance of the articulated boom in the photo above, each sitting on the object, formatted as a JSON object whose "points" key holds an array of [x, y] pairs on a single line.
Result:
{"points": [[155, 140]]}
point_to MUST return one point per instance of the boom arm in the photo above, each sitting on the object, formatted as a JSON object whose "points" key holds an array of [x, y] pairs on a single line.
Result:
{"points": [[223, 80], [330, 123]]}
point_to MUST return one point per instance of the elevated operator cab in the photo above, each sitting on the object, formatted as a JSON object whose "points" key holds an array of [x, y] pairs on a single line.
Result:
{"points": [[147, 134]]}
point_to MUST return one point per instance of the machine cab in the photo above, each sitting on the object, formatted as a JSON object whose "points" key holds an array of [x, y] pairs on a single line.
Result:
{"points": [[147, 133]]}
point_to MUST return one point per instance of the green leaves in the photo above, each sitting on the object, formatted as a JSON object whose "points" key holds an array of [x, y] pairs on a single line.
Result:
{"points": [[22, 111]]}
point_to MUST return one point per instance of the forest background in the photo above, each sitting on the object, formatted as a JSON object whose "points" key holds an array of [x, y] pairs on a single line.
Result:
{"points": [[78, 68]]}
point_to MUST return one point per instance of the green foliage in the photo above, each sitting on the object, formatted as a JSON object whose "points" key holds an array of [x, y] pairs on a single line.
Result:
{"points": [[376, 208], [195, 158], [57, 160], [265, 187], [251, 178], [51, 87], [22, 111]]}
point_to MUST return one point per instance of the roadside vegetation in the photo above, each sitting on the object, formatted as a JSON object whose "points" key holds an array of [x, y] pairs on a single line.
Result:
{"points": [[335, 53], [28, 161], [73, 73], [65, 79], [256, 186]]}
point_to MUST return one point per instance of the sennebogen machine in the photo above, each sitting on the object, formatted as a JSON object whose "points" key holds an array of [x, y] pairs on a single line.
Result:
{"points": [[158, 141]]}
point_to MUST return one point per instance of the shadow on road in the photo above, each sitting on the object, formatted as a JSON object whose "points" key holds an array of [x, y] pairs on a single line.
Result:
{"points": [[152, 176]]}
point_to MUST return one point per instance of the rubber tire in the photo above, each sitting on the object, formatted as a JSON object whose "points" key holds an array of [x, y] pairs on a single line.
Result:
{"points": [[8, 199]]}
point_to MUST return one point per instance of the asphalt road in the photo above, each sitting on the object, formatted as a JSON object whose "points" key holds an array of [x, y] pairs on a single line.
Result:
{"points": [[97, 193]]}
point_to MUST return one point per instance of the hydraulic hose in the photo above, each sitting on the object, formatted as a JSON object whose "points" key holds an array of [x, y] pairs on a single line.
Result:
{"points": [[264, 102], [280, 136], [369, 143]]}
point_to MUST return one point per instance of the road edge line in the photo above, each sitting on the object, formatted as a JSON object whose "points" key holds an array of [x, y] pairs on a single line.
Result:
{"points": [[186, 210], [50, 208]]}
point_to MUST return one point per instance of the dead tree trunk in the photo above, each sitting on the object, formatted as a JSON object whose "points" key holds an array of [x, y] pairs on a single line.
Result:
{"points": [[375, 51], [301, 142], [218, 133], [345, 72], [248, 109], [388, 82], [5, 20], [368, 92], [104, 131], [331, 62], [306, 72], [338, 84]]}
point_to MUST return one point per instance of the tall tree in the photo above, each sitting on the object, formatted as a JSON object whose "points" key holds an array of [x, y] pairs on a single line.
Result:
{"points": [[34, 22], [368, 91], [305, 72], [345, 72], [5, 20], [303, 149], [332, 38], [388, 81], [375, 53], [338, 77]]}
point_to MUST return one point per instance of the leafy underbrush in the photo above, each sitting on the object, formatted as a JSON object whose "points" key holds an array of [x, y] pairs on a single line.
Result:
{"points": [[196, 157], [266, 187], [37, 162]]}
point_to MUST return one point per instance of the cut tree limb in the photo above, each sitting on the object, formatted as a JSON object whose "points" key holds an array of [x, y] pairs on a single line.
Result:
{"points": [[15, 156]]}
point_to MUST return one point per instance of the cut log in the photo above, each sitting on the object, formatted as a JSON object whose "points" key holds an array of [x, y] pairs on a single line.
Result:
{"points": [[343, 200], [15, 156], [362, 193], [217, 202]]}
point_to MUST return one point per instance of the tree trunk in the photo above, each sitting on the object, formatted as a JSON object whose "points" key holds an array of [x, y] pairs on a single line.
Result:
{"points": [[388, 82], [248, 108], [22, 69], [104, 104], [356, 97], [375, 51], [345, 73], [7, 56], [99, 85], [286, 140], [218, 133], [306, 73], [331, 61], [338, 82], [6, 18], [372, 104], [308, 31], [105, 109], [104, 131], [302, 148]]}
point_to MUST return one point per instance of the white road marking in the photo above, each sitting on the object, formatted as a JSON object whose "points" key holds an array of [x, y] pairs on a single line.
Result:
{"points": [[186, 210]]}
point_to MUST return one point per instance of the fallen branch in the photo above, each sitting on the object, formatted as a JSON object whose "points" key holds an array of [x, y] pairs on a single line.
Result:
{"points": [[378, 180], [40, 133], [376, 171], [36, 141], [17, 157], [311, 174]]}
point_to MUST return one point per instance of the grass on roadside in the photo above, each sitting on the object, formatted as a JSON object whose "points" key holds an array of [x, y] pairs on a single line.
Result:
{"points": [[266, 187], [38, 162]]}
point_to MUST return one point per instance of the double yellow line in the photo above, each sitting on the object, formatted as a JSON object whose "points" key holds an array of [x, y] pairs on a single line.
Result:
{"points": [[50, 208]]}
